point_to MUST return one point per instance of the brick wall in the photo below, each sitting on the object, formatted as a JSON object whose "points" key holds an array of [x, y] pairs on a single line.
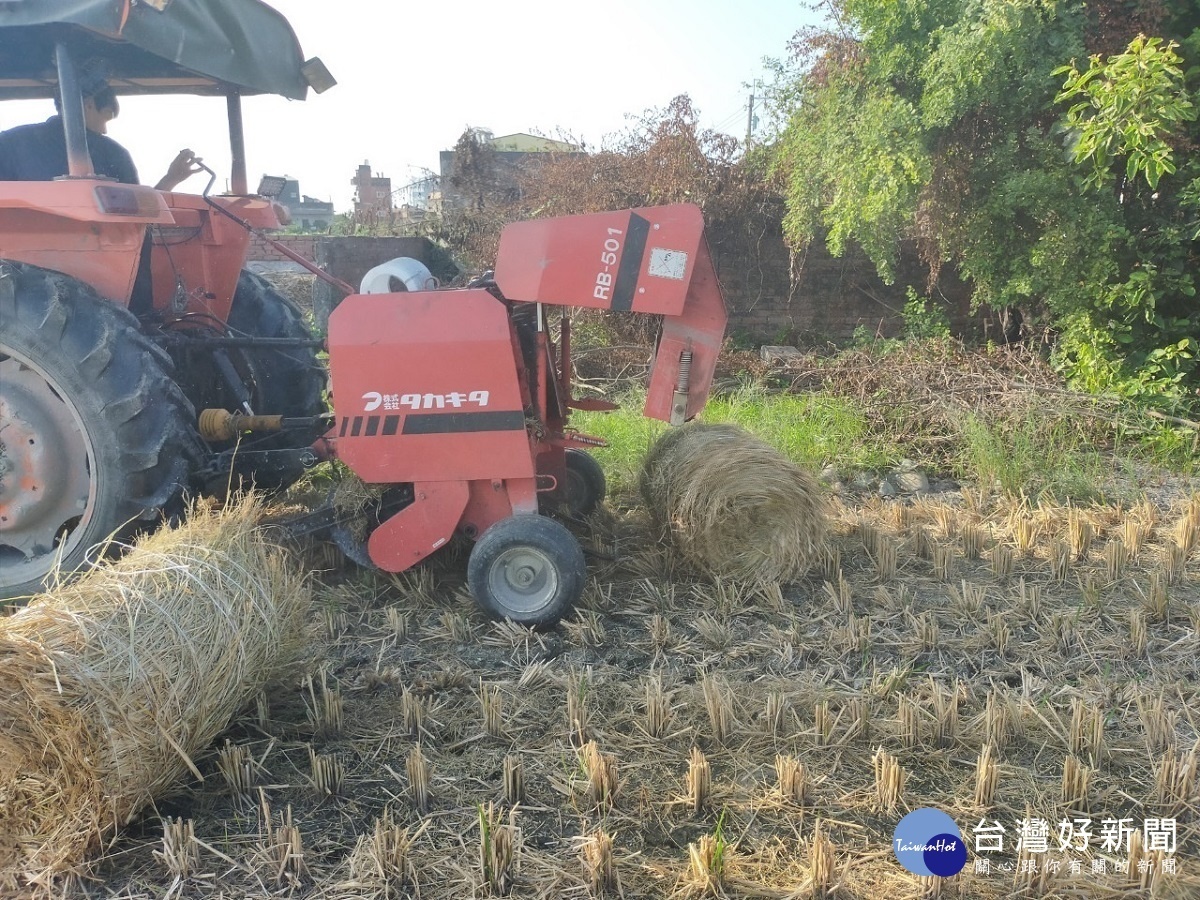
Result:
{"points": [[261, 251], [831, 296]]}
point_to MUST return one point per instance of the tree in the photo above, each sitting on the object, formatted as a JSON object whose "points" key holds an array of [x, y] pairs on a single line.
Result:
{"points": [[949, 123], [663, 157]]}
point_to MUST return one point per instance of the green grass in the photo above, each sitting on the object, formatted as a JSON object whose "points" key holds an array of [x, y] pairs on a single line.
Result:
{"points": [[630, 436], [1028, 454], [1037, 456], [812, 429], [1032, 457], [1171, 447]]}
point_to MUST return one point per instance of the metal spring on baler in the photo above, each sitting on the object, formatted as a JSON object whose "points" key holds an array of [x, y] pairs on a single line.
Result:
{"points": [[685, 370], [588, 441]]}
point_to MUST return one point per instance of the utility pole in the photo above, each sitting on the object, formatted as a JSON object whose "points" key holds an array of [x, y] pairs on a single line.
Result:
{"points": [[750, 119]]}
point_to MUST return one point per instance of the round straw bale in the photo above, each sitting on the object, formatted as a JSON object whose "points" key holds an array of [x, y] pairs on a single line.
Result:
{"points": [[110, 684], [733, 505]]}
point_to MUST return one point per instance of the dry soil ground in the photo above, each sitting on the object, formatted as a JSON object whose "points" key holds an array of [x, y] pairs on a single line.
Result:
{"points": [[683, 738]]}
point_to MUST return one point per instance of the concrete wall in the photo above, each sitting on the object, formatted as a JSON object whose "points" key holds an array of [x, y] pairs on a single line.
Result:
{"points": [[349, 258]]}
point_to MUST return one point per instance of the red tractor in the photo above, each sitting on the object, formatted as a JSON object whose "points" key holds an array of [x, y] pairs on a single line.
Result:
{"points": [[123, 308], [138, 360]]}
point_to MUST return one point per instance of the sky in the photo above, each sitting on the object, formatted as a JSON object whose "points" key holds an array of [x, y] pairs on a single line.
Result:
{"points": [[412, 76]]}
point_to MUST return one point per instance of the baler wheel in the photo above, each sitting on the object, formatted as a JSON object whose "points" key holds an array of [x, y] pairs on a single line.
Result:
{"points": [[527, 568], [95, 436], [585, 485]]}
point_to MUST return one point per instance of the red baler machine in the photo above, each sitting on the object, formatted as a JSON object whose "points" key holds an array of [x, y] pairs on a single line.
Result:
{"points": [[465, 396]]}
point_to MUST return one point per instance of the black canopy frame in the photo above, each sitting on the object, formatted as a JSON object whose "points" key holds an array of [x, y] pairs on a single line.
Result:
{"points": [[187, 46], [228, 48]]}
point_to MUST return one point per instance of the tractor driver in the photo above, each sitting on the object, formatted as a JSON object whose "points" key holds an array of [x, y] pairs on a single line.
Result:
{"points": [[38, 152]]}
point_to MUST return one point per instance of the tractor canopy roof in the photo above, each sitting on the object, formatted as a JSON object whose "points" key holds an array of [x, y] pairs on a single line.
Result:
{"points": [[154, 46]]}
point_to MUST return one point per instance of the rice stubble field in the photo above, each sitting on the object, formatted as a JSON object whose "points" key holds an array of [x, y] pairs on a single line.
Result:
{"points": [[684, 737]]}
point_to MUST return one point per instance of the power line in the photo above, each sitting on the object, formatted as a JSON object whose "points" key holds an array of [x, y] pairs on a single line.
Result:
{"points": [[432, 176], [728, 120]]}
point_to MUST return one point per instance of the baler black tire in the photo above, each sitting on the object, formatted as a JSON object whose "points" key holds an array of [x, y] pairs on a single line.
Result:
{"points": [[539, 547], [585, 485], [288, 381], [132, 422]]}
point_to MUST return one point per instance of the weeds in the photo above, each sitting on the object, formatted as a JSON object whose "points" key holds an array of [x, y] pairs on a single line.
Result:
{"points": [[709, 859], [1014, 427]]}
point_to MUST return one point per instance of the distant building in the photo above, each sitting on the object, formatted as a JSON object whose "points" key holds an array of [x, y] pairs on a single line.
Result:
{"points": [[308, 213], [512, 152], [529, 143], [373, 193]]}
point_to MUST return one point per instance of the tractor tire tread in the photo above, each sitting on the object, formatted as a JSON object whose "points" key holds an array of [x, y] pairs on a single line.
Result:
{"points": [[296, 387], [292, 381], [127, 391]]}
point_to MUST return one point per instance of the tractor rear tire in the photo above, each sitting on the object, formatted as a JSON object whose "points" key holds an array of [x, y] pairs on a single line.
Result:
{"points": [[287, 381], [527, 568], [290, 381], [95, 436]]}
